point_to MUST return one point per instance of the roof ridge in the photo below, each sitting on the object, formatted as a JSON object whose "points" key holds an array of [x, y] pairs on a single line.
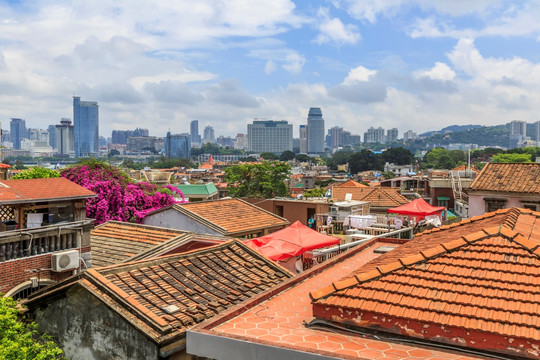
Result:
{"points": [[426, 255]]}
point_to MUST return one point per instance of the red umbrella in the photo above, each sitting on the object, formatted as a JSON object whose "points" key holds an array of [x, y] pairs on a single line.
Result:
{"points": [[291, 241]]}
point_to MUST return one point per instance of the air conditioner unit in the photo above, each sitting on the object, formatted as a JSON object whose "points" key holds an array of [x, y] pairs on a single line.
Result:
{"points": [[65, 260]]}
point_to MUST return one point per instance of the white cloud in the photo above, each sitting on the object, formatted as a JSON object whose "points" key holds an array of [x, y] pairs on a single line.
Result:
{"points": [[359, 73], [270, 67], [332, 30], [440, 71], [294, 62]]}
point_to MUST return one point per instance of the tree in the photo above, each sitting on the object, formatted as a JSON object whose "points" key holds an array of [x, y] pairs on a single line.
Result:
{"points": [[398, 156], [440, 158], [512, 158], [264, 180], [286, 155], [21, 340], [36, 173], [118, 197], [365, 160], [269, 156], [19, 165], [303, 158], [317, 192], [114, 152], [338, 158]]}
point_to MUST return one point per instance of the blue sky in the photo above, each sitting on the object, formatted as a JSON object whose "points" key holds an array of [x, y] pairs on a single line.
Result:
{"points": [[418, 65]]}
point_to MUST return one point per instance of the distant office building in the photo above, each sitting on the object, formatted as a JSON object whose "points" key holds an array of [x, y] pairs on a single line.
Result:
{"points": [[373, 135], [348, 139], [18, 132], [177, 146], [194, 132], [315, 131], [392, 135], [65, 137], [303, 139], [39, 135], [140, 143], [121, 136], [52, 136], [225, 141], [241, 142], [518, 132], [409, 135], [335, 137], [269, 136], [86, 127], [537, 131], [208, 135]]}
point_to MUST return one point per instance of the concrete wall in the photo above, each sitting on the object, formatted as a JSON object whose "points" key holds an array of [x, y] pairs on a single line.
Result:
{"points": [[86, 329], [172, 219]]}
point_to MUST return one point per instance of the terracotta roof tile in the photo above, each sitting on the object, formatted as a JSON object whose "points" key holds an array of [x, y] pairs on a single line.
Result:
{"points": [[514, 177], [232, 215], [376, 196], [352, 183], [15, 191]]}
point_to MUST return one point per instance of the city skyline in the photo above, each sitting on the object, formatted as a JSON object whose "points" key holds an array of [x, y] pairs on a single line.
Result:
{"points": [[393, 64]]}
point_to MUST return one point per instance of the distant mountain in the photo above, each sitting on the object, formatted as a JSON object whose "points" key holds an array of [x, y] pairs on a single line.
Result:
{"points": [[452, 128], [471, 134]]}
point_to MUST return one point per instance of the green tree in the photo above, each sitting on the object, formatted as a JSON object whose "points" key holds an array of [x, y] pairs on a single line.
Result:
{"points": [[512, 158], [398, 156], [36, 173], [303, 158], [365, 160], [269, 156], [21, 340], [338, 158], [19, 165], [264, 180], [439, 158], [317, 192], [114, 152], [286, 155]]}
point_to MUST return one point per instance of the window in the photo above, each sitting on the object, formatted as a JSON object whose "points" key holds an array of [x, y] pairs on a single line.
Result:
{"points": [[531, 206], [494, 204]]}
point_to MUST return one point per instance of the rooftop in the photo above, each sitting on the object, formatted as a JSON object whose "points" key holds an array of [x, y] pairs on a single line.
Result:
{"points": [[521, 178], [377, 196], [31, 190], [197, 189]]}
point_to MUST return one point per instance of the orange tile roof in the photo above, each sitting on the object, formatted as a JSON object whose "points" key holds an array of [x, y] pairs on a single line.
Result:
{"points": [[165, 296], [31, 190], [376, 196], [232, 216], [515, 178], [486, 282], [352, 183], [277, 319]]}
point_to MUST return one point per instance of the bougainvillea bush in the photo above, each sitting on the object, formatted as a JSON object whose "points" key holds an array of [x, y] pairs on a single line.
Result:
{"points": [[118, 197]]}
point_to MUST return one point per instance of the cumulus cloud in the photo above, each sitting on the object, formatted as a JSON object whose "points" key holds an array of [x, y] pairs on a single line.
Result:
{"points": [[440, 71], [230, 92], [360, 86], [175, 92], [332, 30]]}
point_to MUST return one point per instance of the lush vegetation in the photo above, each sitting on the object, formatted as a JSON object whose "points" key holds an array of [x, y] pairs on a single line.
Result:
{"points": [[21, 340], [36, 173], [260, 180], [118, 197], [317, 192], [512, 158]]}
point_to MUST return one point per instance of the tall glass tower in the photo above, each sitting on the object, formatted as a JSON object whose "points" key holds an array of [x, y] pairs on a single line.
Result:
{"points": [[194, 132], [86, 127], [17, 131], [315, 131]]}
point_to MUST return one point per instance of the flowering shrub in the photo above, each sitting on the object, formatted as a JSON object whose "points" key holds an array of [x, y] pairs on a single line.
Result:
{"points": [[118, 197]]}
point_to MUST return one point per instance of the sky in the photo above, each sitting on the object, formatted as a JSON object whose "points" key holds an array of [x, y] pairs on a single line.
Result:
{"points": [[415, 65]]}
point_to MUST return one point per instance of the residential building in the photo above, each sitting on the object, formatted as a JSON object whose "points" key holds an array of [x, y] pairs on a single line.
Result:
{"points": [[177, 146], [142, 309], [241, 142], [336, 137], [52, 136], [444, 188], [537, 131], [208, 135], [86, 127], [226, 217], [17, 131], [121, 136], [225, 141], [373, 135], [138, 143], [380, 198], [518, 132], [194, 132], [392, 135], [293, 210], [65, 137], [198, 192], [303, 139], [501, 186], [269, 136], [399, 170], [42, 220], [409, 135], [349, 139], [315, 131]]}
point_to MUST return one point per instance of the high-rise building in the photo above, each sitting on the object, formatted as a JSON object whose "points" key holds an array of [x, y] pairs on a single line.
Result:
{"points": [[86, 127], [303, 139], [208, 135], [409, 135], [269, 136], [194, 132], [52, 136], [336, 137], [121, 136], [177, 146], [18, 132], [373, 135], [518, 132], [241, 142], [315, 131], [537, 131], [392, 135], [65, 137]]}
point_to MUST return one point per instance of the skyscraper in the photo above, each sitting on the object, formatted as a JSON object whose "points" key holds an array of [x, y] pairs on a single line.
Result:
{"points": [[373, 135], [336, 136], [303, 139], [209, 136], [65, 137], [17, 129], [269, 136], [537, 131], [86, 127], [52, 136], [392, 134], [194, 132], [177, 145], [315, 131]]}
